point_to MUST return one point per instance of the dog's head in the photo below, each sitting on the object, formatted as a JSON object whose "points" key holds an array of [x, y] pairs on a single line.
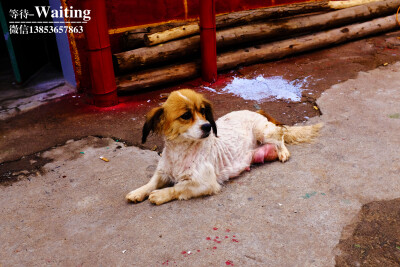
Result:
{"points": [[185, 114]]}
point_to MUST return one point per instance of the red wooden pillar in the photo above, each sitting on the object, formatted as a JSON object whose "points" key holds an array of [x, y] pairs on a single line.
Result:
{"points": [[104, 89], [208, 41]]}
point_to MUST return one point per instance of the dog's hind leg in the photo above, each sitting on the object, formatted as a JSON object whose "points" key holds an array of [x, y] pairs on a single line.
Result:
{"points": [[272, 134], [141, 193], [290, 135], [283, 152]]}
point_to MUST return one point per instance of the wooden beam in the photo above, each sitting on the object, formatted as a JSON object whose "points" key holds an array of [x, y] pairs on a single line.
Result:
{"points": [[171, 34], [349, 3]]}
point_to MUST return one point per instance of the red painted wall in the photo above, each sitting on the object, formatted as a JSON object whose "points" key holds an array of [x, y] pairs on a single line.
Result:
{"points": [[227, 6], [127, 13]]}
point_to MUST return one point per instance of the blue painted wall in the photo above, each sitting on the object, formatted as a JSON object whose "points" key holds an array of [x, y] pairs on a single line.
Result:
{"points": [[63, 48]]}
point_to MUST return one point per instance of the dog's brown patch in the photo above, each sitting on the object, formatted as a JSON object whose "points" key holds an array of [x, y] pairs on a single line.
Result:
{"points": [[271, 119]]}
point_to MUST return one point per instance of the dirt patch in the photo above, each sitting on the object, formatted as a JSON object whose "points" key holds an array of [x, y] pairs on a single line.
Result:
{"points": [[374, 239], [30, 166], [24, 168]]}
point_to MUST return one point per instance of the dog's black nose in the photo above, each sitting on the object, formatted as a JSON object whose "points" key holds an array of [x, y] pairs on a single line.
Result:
{"points": [[206, 127]]}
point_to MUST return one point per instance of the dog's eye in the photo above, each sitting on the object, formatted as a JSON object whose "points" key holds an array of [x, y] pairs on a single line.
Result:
{"points": [[203, 111], [187, 116]]}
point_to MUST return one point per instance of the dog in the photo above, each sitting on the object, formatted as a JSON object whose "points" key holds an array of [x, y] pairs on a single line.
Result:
{"points": [[200, 154]]}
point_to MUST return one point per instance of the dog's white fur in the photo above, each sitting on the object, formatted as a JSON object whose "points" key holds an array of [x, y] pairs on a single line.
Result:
{"points": [[198, 166]]}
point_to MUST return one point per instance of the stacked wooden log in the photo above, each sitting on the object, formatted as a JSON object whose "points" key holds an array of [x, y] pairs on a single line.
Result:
{"points": [[262, 38]]}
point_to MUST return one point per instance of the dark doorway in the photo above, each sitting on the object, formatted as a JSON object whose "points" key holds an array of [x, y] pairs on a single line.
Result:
{"points": [[32, 51], [29, 63]]}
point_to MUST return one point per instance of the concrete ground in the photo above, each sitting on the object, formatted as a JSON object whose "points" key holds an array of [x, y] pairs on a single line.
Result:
{"points": [[317, 209]]}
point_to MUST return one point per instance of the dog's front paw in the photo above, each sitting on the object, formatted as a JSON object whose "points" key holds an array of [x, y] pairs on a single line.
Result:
{"points": [[159, 197], [283, 154], [137, 195]]}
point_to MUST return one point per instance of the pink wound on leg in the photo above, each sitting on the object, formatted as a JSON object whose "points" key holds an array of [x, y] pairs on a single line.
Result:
{"points": [[266, 152], [258, 156]]}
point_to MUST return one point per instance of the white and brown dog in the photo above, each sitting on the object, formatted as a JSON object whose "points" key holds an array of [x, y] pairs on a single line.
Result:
{"points": [[196, 159]]}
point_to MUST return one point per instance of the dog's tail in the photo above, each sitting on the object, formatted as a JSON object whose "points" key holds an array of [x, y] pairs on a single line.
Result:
{"points": [[301, 134], [295, 134]]}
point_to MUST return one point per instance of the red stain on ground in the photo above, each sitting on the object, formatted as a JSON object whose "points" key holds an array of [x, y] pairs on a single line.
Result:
{"points": [[165, 263], [228, 262], [217, 239], [222, 81]]}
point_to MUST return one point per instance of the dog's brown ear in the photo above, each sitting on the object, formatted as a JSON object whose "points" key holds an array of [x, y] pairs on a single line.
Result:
{"points": [[209, 116], [152, 123]]}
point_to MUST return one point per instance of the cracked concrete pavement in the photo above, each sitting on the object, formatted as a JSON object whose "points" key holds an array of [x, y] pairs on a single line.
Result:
{"points": [[278, 214]]}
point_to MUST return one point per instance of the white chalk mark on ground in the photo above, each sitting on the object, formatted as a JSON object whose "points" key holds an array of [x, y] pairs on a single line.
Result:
{"points": [[261, 88]]}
